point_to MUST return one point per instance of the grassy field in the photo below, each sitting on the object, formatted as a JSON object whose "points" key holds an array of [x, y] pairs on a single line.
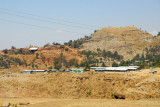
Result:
{"points": [[51, 102]]}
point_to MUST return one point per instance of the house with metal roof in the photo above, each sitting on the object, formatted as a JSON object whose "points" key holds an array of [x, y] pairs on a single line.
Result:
{"points": [[34, 71], [77, 70], [115, 69], [33, 49]]}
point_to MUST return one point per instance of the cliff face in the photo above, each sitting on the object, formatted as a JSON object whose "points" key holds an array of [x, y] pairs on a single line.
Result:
{"points": [[128, 41]]}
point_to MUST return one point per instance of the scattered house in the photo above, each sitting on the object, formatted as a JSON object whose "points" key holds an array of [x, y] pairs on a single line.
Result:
{"points": [[61, 70], [115, 69], [34, 71], [100, 69], [138, 61], [154, 72], [39, 71], [77, 70], [97, 67], [146, 60], [67, 70], [33, 49], [52, 70], [27, 71]]}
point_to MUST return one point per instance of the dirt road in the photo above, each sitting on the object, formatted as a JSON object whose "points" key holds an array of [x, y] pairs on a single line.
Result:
{"points": [[52, 102]]}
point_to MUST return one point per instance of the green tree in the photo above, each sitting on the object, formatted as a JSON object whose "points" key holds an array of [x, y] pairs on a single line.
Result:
{"points": [[66, 49], [5, 51], [114, 64], [37, 54], [13, 47], [46, 45], [36, 66], [103, 65], [20, 51], [50, 67]]}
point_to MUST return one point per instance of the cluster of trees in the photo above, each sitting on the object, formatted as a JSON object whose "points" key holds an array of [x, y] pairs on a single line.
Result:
{"points": [[17, 51], [6, 61], [104, 54], [151, 58], [94, 58], [61, 62], [77, 43]]}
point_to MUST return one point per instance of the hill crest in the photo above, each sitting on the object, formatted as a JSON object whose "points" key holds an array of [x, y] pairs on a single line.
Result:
{"points": [[128, 41]]}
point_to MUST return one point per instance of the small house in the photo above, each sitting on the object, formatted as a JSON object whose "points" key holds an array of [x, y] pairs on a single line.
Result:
{"points": [[67, 70], [154, 72], [52, 70], [33, 49], [39, 71], [35, 71], [27, 71], [99, 69], [77, 70], [61, 70]]}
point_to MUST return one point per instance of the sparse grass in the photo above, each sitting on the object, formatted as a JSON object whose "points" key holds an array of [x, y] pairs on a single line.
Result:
{"points": [[68, 85]]}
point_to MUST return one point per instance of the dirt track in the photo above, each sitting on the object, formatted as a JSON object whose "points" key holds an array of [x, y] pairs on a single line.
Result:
{"points": [[50, 102]]}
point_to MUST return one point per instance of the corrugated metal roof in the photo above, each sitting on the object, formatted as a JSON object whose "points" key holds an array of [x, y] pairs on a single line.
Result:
{"points": [[116, 69], [38, 70], [121, 68], [33, 49], [27, 70], [98, 67]]}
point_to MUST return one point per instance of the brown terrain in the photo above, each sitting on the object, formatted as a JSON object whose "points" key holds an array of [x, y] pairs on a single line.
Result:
{"points": [[88, 89], [49, 53], [128, 41], [89, 85]]}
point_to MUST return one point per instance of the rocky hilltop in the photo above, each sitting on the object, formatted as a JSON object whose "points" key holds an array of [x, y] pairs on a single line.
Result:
{"points": [[128, 41]]}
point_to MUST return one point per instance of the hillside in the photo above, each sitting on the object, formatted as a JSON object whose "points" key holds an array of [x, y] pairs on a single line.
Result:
{"points": [[128, 41], [43, 58]]}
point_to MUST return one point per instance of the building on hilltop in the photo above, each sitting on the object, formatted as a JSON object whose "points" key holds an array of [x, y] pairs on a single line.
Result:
{"points": [[33, 49]]}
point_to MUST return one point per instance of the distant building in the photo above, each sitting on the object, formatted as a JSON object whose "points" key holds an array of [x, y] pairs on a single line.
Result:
{"points": [[61, 70], [67, 70], [33, 49], [154, 72], [34, 71], [27, 71], [52, 70], [77, 70], [115, 69]]}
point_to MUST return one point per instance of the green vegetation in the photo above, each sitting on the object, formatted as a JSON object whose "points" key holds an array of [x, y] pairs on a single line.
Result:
{"points": [[93, 58], [114, 64], [5, 51], [13, 47], [66, 49], [61, 62], [37, 54], [77, 43], [6, 61], [151, 58]]}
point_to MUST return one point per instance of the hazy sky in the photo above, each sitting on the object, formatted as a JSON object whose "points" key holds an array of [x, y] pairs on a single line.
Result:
{"points": [[50, 21]]}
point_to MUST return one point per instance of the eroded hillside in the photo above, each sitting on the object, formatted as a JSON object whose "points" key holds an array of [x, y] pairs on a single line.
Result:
{"points": [[134, 85], [43, 58], [128, 41]]}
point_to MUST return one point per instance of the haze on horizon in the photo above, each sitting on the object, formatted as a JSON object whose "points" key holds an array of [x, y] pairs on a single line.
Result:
{"points": [[28, 22]]}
